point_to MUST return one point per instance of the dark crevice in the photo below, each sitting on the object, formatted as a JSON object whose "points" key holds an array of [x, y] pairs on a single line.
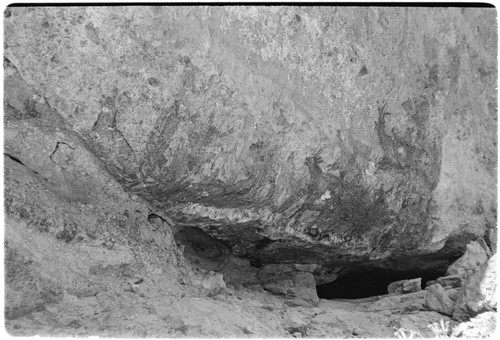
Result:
{"points": [[57, 148], [14, 158], [17, 160], [371, 283]]}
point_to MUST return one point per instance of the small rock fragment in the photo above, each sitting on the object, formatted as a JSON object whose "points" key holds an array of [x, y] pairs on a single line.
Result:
{"points": [[451, 281], [405, 286]]}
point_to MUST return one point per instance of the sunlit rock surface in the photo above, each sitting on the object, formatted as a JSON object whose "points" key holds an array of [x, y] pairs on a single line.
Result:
{"points": [[346, 139]]}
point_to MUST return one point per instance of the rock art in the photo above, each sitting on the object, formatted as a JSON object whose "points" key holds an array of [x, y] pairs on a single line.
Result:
{"points": [[242, 124], [153, 154]]}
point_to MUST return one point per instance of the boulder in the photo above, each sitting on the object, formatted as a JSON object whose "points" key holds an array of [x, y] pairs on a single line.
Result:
{"points": [[298, 288], [438, 300], [213, 282], [476, 254], [405, 286], [477, 295], [406, 302]]}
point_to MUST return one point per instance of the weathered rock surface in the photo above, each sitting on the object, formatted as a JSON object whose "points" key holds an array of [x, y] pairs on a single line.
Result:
{"points": [[478, 293], [447, 282], [407, 302], [405, 286], [475, 256], [439, 300], [298, 135], [154, 155], [297, 287]]}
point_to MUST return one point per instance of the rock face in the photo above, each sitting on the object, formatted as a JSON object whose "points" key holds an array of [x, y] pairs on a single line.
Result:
{"points": [[156, 158], [297, 135]]}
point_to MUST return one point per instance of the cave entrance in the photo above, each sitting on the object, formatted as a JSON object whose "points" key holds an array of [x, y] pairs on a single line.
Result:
{"points": [[373, 282]]}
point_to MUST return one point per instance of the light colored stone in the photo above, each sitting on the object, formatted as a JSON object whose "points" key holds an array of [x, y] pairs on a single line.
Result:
{"points": [[438, 300], [478, 294], [476, 254], [405, 302], [298, 288], [480, 326], [493, 238], [405, 286]]}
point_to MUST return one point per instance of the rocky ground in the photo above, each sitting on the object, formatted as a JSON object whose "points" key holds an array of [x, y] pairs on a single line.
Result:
{"points": [[111, 267], [197, 171]]}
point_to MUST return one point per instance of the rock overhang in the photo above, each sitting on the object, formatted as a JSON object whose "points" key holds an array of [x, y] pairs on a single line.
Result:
{"points": [[285, 153]]}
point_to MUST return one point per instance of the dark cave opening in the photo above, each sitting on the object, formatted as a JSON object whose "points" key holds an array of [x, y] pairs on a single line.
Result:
{"points": [[371, 282]]}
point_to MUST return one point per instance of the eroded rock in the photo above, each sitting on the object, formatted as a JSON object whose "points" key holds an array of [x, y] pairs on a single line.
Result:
{"points": [[406, 302], [297, 287], [438, 300], [476, 255], [478, 293], [274, 154], [263, 133], [405, 286]]}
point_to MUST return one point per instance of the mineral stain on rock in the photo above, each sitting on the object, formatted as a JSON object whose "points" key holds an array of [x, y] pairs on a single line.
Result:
{"points": [[217, 171]]}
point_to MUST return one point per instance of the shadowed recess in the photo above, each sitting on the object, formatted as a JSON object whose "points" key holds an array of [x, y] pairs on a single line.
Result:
{"points": [[370, 283]]}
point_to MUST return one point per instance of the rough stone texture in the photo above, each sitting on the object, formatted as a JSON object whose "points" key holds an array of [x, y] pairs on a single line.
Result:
{"points": [[74, 240], [493, 239], [478, 294], [405, 286], [475, 256], [298, 288], [447, 282], [326, 139], [453, 281], [406, 303], [438, 300], [293, 134], [483, 325]]}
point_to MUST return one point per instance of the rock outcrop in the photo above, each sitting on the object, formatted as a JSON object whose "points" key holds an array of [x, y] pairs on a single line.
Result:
{"points": [[478, 294], [165, 166], [283, 132]]}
